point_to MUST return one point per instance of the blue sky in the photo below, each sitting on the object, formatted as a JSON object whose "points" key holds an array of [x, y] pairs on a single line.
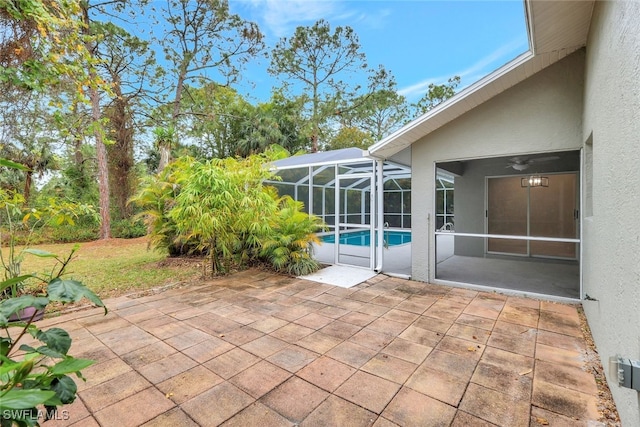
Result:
{"points": [[420, 41]]}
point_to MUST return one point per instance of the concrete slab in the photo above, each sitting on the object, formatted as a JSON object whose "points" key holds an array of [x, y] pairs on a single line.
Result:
{"points": [[341, 275]]}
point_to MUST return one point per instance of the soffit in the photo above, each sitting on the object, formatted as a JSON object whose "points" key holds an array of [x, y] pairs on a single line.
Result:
{"points": [[559, 25]]}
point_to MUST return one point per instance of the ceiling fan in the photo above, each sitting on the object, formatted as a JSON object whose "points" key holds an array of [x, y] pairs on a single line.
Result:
{"points": [[523, 163]]}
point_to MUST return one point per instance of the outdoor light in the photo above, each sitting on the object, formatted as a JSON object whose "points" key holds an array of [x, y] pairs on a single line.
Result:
{"points": [[535, 181]]}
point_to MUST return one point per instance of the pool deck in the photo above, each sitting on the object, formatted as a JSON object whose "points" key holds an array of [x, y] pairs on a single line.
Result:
{"points": [[257, 348]]}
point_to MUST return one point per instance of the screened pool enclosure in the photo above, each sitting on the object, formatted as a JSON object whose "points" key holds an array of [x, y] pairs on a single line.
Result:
{"points": [[365, 204]]}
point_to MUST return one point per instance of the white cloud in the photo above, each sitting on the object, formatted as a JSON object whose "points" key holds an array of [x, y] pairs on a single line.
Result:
{"points": [[471, 74], [281, 17], [481, 68], [373, 19], [419, 88]]}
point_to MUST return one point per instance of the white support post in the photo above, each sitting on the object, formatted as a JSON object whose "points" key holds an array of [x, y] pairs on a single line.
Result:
{"points": [[336, 229], [379, 206], [310, 206]]}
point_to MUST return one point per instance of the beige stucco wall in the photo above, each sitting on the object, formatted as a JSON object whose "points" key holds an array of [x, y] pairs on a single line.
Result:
{"points": [[543, 113], [612, 231]]}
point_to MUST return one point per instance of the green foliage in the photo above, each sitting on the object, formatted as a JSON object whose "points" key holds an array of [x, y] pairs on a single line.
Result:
{"points": [[18, 225], [67, 234], [155, 199], [44, 44], [224, 124], [221, 208], [375, 114], [222, 205], [288, 247], [436, 94], [224, 110], [350, 137], [14, 165], [128, 228], [323, 62], [35, 377]]}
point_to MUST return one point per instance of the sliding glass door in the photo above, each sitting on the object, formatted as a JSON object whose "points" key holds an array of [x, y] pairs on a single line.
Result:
{"points": [[543, 210]]}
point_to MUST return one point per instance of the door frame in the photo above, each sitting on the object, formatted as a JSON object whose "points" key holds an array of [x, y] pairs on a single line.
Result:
{"points": [[339, 223], [528, 238]]}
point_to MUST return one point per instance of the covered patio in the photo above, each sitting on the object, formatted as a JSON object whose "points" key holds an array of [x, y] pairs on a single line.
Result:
{"points": [[257, 348]]}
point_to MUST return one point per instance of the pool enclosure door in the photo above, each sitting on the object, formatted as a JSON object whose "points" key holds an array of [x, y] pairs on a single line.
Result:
{"points": [[354, 231]]}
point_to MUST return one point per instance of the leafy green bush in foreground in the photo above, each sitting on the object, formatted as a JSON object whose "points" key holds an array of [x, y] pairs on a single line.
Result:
{"points": [[221, 208]]}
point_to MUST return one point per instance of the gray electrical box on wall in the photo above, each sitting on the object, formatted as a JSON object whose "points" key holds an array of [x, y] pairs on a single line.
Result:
{"points": [[625, 371], [635, 374]]}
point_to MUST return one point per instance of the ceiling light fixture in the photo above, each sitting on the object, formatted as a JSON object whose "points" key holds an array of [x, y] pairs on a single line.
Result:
{"points": [[534, 181]]}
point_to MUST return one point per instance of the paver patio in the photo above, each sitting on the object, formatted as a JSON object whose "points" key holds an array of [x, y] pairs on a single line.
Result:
{"points": [[261, 349]]}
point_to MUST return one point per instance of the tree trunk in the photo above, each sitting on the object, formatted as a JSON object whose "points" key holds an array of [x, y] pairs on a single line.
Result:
{"points": [[101, 150], [103, 168], [165, 156], [314, 117], [165, 145], [121, 152], [28, 179]]}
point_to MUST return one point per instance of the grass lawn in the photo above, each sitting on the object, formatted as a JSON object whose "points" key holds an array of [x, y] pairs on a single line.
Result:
{"points": [[116, 266]]}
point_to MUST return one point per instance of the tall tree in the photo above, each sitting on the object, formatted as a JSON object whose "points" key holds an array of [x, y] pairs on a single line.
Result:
{"points": [[27, 137], [349, 136], [128, 65], [98, 133], [203, 40], [44, 46], [322, 62], [288, 112], [436, 94], [377, 114], [222, 123], [215, 122]]}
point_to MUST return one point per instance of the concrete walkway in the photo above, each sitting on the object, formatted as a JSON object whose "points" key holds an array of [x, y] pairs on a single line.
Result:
{"points": [[259, 349]]}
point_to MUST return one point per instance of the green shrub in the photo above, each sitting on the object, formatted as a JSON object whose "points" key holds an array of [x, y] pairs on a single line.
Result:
{"points": [[220, 208], [128, 228], [289, 245], [155, 199], [224, 206], [40, 376], [71, 233]]}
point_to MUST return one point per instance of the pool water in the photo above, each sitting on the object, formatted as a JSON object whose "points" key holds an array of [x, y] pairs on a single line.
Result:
{"points": [[363, 238]]}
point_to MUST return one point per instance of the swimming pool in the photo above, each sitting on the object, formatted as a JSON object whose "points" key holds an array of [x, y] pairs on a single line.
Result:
{"points": [[362, 238]]}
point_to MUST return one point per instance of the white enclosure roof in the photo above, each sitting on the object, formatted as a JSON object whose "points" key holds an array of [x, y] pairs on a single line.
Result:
{"points": [[556, 29], [351, 160], [345, 155]]}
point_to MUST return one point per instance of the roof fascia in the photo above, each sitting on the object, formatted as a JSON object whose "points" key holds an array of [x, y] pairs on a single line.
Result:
{"points": [[528, 18]]}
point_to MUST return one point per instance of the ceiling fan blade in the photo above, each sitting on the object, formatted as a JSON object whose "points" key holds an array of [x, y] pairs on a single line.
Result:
{"points": [[544, 159], [519, 166], [518, 160]]}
